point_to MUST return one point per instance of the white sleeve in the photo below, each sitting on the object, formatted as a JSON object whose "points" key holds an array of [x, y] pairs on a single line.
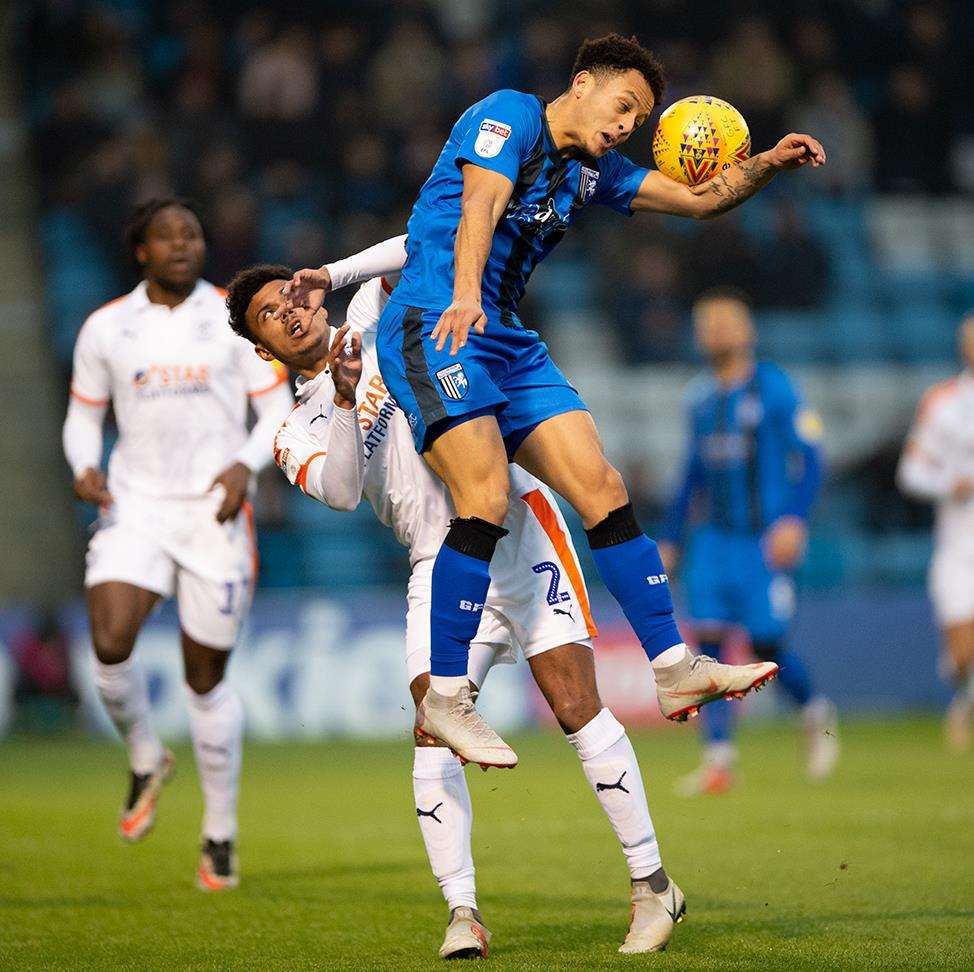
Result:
{"points": [[271, 406], [923, 472], [91, 380], [365, 308], [328, 466], [384, 258], [82, 435]]}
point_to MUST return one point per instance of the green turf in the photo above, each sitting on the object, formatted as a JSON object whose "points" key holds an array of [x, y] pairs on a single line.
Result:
{"points": [[871, 871]]}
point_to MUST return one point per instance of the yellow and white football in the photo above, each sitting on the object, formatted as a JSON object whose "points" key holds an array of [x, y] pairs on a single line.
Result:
{"points": [[699, 136]]}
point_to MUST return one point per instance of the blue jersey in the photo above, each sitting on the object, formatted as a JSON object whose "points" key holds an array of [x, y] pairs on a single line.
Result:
{"points": [[753, 456], [508, 133]]}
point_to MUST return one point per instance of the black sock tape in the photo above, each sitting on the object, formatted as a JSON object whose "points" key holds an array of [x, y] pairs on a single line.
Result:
{"points": [[619, 526], [474, 537]]}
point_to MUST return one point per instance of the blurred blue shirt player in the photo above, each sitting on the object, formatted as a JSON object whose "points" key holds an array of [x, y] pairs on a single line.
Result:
{"points": [[751, 475]]}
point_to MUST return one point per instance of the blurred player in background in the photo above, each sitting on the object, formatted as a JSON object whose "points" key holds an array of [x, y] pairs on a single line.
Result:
{"points": [[347, 438], [174, 518], [479, 388], [751, 476], [938, 466]]}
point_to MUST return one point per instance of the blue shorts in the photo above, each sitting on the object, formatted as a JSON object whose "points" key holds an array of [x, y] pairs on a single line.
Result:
{"points": [[728, 582], [506, 371]]}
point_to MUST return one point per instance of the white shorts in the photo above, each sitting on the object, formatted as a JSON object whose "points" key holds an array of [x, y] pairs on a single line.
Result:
{"points": [[537, 598], [177, 548], [951, 586]]}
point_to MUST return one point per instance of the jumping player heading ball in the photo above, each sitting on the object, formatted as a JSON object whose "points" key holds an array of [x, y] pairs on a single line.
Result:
{"points": [[479, 388]]}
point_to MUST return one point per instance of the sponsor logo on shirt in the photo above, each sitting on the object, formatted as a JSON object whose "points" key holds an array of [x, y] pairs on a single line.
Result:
{"points": [[375, 412], [171, 380], [491, 138], [453, 381]]}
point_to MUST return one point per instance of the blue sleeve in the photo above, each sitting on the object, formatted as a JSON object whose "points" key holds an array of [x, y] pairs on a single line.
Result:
{"points": [[801, 429], [619, 181], [501, 132], [675, 518]]}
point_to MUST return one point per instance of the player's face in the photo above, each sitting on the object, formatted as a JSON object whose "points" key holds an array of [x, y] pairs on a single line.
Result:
{"points": [[298, 338], [174, 249], [722, 327], [965, 340], [611, 109]]}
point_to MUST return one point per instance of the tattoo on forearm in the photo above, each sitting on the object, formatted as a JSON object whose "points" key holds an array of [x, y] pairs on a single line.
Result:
{"points": [[735, 185]]}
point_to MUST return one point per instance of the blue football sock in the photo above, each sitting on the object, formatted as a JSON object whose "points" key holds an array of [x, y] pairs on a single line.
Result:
{"points": [[459, 590], [793, 677], [630, 566], [716, 718]]}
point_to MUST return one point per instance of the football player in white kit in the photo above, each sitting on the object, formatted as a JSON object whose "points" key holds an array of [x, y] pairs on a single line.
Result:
{"points": [[347, 438], [937, 465], [174, 517]]}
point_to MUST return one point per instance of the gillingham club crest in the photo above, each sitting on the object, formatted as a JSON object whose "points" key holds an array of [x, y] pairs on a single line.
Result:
{"points": [[453, 381]]}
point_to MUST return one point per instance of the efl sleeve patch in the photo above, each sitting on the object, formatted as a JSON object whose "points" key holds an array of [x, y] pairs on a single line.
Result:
{"points": [[491, 138]]}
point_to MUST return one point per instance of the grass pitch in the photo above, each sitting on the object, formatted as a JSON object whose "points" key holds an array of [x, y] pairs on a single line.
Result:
{"points": [[872, 870]]}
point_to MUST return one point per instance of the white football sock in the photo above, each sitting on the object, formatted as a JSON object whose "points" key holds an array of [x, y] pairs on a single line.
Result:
{"points": [[124, 692], [670, 657], [448, 684], [610, 766], [445, 820], [216, 725]]}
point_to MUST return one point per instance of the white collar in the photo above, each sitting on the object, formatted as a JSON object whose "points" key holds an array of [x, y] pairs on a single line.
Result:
{"points": [[140, 296]]}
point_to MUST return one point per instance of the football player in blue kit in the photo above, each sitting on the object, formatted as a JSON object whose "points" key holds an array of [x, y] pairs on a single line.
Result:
{"points": [[752, 472], [479, 388]]}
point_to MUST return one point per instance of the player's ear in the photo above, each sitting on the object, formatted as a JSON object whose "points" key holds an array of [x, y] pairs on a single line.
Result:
{"points": [[581, 83], [262, 352], [141, 257]]}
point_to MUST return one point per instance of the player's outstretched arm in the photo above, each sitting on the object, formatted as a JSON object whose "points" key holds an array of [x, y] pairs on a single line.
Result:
{"points": [[485, 197], [309, 287], [728, 189]]}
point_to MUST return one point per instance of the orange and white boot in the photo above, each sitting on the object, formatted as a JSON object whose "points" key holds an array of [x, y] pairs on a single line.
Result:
{"points": [[694, 681], [466, 936], [714, 775], [218, 869], [139, 813]]}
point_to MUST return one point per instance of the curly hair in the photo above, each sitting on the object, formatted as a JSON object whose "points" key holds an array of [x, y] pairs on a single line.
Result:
{"points": [[241, 290], [138, 224], [615, 53]]}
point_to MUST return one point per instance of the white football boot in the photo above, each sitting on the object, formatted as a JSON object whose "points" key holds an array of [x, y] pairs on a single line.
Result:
{"points": [[698, 679], [453, 721], [139, 813], [466, 936], [820, 724], [653, 918]]}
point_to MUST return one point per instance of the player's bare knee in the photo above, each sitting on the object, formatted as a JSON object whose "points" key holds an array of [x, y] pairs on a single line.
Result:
{"points": [[575, 712], [202, 679], [602, 491], [112, 640]]}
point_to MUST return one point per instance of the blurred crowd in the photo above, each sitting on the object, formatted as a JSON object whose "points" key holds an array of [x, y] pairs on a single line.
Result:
{"points": [[304, 131]]}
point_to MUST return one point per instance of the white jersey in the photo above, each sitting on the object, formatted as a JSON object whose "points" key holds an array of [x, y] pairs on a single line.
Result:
{"points": [[537, 598], [179, 381], [939, 453], [397, 483]]}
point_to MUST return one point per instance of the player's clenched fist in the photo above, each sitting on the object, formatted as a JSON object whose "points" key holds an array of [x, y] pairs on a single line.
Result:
{"points": [[793, 151], [235, 481], [91, 487], [784, 543], [455, 322]]}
